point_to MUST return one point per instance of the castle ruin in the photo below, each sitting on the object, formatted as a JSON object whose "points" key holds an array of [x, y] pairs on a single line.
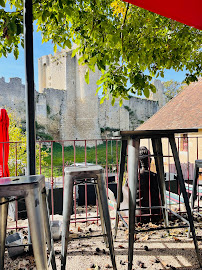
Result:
{"points": [[67, 107]]}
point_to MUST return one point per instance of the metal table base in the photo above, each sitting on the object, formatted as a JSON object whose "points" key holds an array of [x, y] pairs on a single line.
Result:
{"points": [[132, 140]]}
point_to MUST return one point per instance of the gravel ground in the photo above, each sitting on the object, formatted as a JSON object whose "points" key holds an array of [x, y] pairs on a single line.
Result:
{"points": [[152, 250]]}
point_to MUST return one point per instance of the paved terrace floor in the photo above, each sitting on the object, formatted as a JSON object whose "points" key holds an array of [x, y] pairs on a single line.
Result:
{"points": [[152, 250]]}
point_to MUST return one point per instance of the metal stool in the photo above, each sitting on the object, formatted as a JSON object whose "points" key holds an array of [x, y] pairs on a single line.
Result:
{"points": [[33, 190], [198, 164], [76, 175]]}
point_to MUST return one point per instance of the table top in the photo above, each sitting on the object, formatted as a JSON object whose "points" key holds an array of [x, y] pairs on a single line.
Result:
{"points": [[153, 133]]}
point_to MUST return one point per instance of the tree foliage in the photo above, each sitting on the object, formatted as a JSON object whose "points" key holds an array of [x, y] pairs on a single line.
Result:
{"points": [[172, 89], [17, 150], [129, 45]]}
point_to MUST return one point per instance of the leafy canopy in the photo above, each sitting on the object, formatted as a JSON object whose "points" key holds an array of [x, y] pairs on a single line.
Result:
{"points": [[172, 88], [125, 42]]}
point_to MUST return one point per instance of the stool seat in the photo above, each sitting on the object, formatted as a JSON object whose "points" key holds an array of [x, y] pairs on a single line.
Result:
{"points": [[80, 174], [32, 188], [18, 186]]}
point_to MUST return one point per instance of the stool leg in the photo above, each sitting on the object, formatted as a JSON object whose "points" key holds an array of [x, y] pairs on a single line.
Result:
{"points": [[47, 225], [158, 156], [183, 189], [101, 216], [3, 225], [67, 210], [194, 191], [34, 207], [106, 216], [120, 182], [133, 157]]}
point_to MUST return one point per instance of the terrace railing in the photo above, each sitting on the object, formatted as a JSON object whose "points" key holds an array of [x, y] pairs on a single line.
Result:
{"points": [[53, 156]]}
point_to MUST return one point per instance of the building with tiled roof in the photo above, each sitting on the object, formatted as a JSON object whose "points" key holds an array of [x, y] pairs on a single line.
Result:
{"points": [[183, 111]]}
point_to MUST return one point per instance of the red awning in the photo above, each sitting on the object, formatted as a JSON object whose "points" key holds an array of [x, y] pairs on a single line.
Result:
{"points": [[4, 147], [184, 11]]}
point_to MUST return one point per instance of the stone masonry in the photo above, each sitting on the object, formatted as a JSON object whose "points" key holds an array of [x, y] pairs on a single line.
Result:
{"points": [[68, 108]]}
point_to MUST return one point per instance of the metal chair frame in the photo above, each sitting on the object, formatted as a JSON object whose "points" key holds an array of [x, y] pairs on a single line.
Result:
{"points": [[80, 174], [32, 188]]}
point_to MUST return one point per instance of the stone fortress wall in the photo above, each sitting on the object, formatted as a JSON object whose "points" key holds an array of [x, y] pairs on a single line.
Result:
{"points": [[68, 108]]}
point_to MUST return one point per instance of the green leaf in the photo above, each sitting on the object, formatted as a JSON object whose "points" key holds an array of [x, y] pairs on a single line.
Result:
{"points": [[113, 101], [146, 92], [19, 29], [68, 43], [98, 89], [87, 76], [55, 48], [153, 88], [60, 4], [16, 53], [121, 102], [93, 60], [101, 80], [2, 3], [92, 68], [102, 100], [75, 51], [44, 16], [13, 27]]}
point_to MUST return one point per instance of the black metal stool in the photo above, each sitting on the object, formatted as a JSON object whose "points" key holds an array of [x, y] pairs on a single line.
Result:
{"points": [[132, 140], [32, 188], [76, 175]]}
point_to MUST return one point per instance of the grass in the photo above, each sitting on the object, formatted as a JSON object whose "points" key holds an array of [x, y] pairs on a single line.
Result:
{"points": [[102, 156]]}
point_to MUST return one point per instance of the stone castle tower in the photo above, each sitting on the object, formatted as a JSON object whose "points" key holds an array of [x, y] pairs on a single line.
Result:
{"points": [[80, 113]]}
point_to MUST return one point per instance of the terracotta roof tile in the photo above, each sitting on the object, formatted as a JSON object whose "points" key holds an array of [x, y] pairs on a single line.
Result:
{"points": [[183, 111]]}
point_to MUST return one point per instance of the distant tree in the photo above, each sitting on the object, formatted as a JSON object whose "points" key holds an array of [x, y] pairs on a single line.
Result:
{"points": [[122, 40], [172, 89], [17, 152]]}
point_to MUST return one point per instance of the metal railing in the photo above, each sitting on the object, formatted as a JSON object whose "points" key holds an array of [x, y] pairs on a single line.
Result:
{"points": [[53, 156]]}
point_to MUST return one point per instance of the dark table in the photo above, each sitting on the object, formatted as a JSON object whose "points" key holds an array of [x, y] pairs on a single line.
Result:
{"points": [[132, 140]]}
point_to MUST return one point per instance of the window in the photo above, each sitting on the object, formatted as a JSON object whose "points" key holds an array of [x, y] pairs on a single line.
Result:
{"points": [[184, 143]]}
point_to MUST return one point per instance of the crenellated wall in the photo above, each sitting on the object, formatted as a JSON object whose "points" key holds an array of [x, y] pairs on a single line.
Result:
{"points": [[67, 107], [12, 95]]}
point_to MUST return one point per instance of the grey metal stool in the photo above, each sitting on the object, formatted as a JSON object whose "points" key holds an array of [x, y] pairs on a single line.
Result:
{"points": [[33, 190], [76, 175], [198, 164]]}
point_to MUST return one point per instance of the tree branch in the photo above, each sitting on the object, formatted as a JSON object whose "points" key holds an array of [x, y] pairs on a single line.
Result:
{"points": [[124, 19]]}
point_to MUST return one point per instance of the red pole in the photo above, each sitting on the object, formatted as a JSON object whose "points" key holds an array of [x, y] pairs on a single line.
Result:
{"points": [[96, 164], [16, 160], [75, 185], [117, 162], [106, 167], [86, 193], [40, 157], [52, 181], [63, 166]]}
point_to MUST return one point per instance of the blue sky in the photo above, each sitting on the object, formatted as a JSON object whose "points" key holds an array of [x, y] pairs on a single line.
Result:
{"points": [[9, 67]]}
